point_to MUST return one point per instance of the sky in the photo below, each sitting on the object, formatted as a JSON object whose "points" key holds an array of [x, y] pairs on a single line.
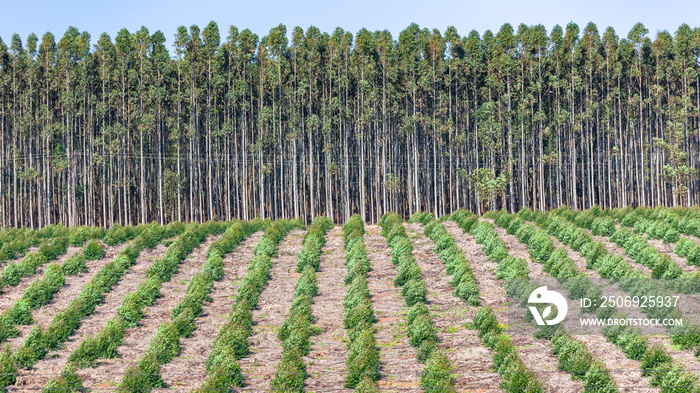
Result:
{"points": [[96, 17]]}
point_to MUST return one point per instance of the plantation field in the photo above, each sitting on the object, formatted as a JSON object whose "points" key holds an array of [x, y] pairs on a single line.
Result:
{"points": [[417, 305]]}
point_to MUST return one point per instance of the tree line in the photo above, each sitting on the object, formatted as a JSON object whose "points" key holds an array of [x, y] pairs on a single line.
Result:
{"points": [[126, 130]]}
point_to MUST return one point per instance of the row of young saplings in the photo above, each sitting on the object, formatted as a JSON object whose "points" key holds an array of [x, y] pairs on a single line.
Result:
{"points": [[231, 343], [572, 355], [41, 340], [222, 365], [16, 242], [40, 291], [655, 361], [637, 247], [413, 292]]}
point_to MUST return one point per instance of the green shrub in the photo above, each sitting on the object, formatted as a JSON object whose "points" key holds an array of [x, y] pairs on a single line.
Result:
{"points": [[131, 309], [290, 373], [142, 377], [68, 381], [408, 270], [149, 290], [485, 321], [653, 358], [468, 291], [418, 309], [634, 346], [307, 283], [367, 385], [437, 374], [422, 329], [74, 265], [414, 291], [93, 250], [165, 344], [8, 370], [37, 294], [233, 337], [11, 274], [224, 371], [363, 359], [185, 322], [359, 313], [672, 378], [573, 356], [21, 313], [104, 345]]}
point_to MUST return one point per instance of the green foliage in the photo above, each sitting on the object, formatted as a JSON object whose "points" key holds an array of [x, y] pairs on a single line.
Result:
{"points": [[21, 314], [367, 385], [437, 374], [597, 379], [74, 265], [8, 369], [224, 372], [363, 359], [290, 373], [307, 283], [131, 309], [165, 344], [652, 359], [414, 291], [573, 356], [142, 377], [11, 274], [68, 381], [93, 250], [103, 346]]}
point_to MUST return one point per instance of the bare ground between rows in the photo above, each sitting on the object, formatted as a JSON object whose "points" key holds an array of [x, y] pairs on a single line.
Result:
{"points": [[624, 372], [326, 361], [70, 290], [535, 354], [258, 368], [188, 371], [399, 366], [10, 294], [472, 361], [54, 363], [137, 339]]}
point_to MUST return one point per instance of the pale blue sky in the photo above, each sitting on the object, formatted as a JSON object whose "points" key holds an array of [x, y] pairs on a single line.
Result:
{"points": [[24, 17]]}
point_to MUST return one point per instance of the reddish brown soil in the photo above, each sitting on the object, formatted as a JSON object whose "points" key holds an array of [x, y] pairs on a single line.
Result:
{"points": [[531, 351], [399, 367], [259, 366], [625, 372], [326, 361], [472, 361], [10, 294], [55, 362], [187, 371], [137, 339], [70, 290]]}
